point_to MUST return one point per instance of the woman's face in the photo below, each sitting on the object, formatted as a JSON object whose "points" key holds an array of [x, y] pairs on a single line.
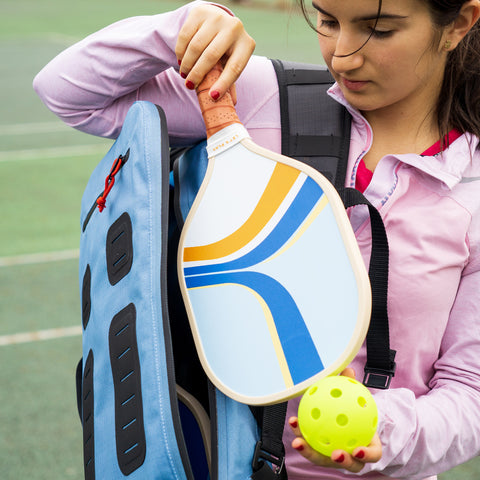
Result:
{"points": [[402, 63]]}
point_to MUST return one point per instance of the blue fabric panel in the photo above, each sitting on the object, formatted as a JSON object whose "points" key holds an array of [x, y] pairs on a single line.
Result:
{"points": [[237, 434], [137, 191], [191, 171]]}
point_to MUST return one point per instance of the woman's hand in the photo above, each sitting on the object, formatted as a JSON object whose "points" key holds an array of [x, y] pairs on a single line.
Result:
{"points": [[209, 35], [339, 458]]}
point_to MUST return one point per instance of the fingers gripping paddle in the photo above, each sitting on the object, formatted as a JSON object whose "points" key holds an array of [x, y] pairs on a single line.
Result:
{"points": [[274, 285]]}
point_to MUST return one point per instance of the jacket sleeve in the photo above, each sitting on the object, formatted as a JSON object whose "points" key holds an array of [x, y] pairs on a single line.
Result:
{"points": [[92, 84], [438, 431]]}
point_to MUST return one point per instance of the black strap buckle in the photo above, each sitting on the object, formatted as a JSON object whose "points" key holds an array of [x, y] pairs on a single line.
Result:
{"points": [[278, 463], [379, 377]]}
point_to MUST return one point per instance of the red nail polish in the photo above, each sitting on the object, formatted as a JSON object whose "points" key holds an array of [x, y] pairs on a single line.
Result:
{"points": [[299, 448], [360, 454], [179, 62], [294, 424], [340, 459], [183, 75], [190, 85], [215, 95]]}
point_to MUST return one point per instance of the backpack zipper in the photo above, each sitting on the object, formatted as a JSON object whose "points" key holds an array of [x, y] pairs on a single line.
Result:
{"points": [[100, 201]]}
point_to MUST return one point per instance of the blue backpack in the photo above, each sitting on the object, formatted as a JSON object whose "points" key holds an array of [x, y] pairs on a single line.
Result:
{"points": [[147, 408]]}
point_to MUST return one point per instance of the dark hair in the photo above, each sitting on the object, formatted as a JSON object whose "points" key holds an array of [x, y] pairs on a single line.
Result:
{"points": [[458, 105], [459, 102]]}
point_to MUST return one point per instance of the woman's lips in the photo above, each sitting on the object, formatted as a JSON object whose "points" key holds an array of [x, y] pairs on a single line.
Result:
{"points": [[354, 85]]}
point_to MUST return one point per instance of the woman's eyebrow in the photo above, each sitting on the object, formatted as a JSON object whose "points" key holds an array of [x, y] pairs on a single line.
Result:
{"points": [[382, 16], [364, 18], [321, 10]]}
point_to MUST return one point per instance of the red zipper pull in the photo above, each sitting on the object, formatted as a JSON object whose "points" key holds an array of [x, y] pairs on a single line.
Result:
{"points": [[110, 180]]}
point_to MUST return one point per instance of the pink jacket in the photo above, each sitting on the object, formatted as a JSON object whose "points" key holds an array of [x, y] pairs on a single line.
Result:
{"points": [[430, 417]]}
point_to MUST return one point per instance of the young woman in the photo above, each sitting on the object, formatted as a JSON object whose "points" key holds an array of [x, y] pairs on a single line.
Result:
{"points": [[409, 73]]}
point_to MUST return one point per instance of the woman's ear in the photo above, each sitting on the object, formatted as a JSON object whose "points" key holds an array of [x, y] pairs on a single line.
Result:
{"points": [[466, 19]]}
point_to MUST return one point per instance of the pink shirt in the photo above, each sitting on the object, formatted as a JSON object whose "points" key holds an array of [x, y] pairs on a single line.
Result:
{"points": [[364, 175], [430, 417]]}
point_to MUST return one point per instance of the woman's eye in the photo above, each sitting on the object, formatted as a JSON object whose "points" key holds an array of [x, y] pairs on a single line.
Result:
{"points": [[380, 33], [328, 24]]}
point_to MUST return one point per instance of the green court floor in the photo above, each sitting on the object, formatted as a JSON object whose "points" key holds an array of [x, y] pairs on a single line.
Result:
{"points": [[44, 167]]}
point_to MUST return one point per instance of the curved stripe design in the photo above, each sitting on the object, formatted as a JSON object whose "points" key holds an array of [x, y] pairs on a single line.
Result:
{"points": [[260, 255], [280, 183], [293, 218], [300, 353]]}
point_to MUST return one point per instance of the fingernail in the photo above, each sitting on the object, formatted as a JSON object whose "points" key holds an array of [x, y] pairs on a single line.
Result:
{"points": [[340, 459], [294, 424], [360, 454], [183, 75], [179, 62], [190, 85], [299, 448], [215, 95]]}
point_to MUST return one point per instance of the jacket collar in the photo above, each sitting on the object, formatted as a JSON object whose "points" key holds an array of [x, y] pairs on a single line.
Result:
{"points": [[448, 166]]}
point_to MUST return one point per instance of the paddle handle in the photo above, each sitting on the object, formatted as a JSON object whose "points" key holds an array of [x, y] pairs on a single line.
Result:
{"points": [[216, 114]]}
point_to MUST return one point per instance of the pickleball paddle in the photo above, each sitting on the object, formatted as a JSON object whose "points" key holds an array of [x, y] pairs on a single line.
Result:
{"points": [[274, 285]]}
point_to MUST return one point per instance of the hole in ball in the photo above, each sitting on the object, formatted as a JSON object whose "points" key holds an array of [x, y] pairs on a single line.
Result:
{"points": [[342, 419], [362, 402], [352, 442], [324, 440], [336, 393], [375, 422], [313, 390], [315, 413]]}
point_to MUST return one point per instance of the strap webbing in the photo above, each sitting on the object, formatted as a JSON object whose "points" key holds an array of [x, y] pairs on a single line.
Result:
{"points": [[380, 366], [270, 448]]}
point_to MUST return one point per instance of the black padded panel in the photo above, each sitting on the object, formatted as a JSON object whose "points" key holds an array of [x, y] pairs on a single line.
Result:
{"points": [[87, 418], [129, 426], [86, 298], [119, 248]]}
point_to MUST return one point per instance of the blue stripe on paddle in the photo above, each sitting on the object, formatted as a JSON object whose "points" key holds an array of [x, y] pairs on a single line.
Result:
{"points": [[298, 211], [300, 352]]}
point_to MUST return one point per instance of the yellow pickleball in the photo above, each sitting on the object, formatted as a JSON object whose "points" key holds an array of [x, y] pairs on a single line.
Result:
{"points": [[337, 413]]}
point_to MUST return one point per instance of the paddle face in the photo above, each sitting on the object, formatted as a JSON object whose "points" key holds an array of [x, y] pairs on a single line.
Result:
{"points": [[275, 288]]}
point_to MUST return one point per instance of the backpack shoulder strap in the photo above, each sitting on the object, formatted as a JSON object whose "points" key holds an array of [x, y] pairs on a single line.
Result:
{"points": [[315, 128]]}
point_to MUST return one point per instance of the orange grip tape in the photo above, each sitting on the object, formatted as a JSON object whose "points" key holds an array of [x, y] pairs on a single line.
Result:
{"points": [[216, 114]]}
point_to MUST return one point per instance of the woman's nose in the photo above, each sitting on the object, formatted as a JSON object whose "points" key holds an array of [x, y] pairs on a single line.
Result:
{"points": [[348, 55]]}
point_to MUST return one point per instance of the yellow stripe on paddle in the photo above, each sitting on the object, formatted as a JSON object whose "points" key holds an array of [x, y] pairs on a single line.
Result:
{"points": [[280, 183]]}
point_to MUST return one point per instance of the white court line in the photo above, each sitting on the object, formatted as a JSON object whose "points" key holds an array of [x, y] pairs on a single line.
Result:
{"points": [[40, 335], [54, 152], [31, 128], [32, 258]]}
